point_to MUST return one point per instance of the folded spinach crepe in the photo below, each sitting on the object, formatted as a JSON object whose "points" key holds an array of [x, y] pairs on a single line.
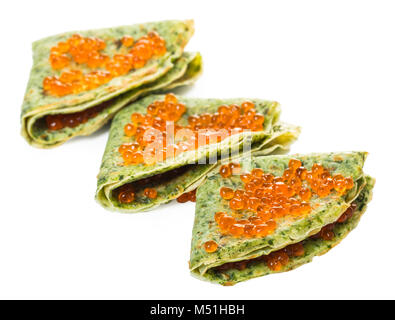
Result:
{"points": [[169, 178], [230, 246], [80, 80]]}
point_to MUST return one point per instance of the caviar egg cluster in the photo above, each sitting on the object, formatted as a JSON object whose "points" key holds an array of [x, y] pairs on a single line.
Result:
{"points": [[150, 128], [226, 171], [268, 198], [326, 233], [127, 193], [150, 134], [72, 120], [232, 118], [188, 196], [277, 260], [78, 49], [88, 51]]}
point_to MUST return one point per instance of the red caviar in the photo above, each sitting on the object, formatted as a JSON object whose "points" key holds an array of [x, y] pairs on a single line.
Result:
{"points": [[150, 130], [348, 214], [210, 246], [126, 194], [229, 169], [266, 199], [88, 51], [150, 193], [127, 41], [226, 193], [277, 260], [129, 189], [225, 172], [71, 120], [188, 196], [294, 250]]}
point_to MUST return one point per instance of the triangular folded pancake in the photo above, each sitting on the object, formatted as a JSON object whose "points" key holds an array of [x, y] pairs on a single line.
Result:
{"points": [[183, 173], [87, 106], [227, 256]]}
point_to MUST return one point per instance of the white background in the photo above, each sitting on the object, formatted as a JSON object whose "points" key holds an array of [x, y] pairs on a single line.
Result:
{"points": [[329, 63]]}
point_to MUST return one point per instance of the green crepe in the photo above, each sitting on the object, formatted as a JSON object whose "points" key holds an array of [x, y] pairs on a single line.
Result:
{"points": [[170, 184], [230, 249], [174, 68]]}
